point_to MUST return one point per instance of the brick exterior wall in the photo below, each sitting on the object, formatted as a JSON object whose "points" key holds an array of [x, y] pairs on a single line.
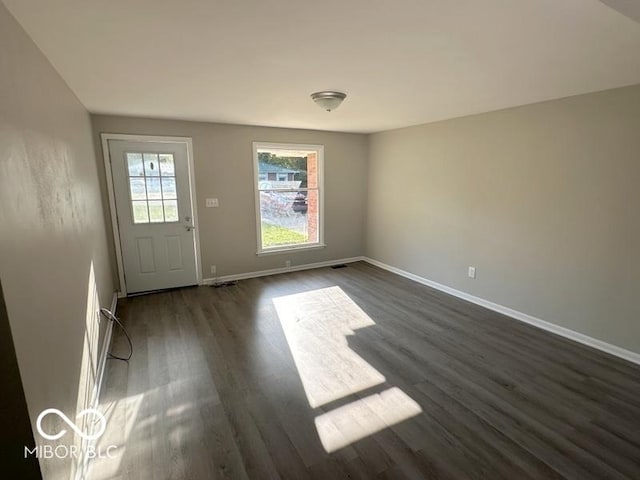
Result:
{"points": [[312, 198]]}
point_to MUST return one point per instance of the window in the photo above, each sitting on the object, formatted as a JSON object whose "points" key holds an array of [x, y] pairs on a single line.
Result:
{"points": [[152, 187], [289, 201]]}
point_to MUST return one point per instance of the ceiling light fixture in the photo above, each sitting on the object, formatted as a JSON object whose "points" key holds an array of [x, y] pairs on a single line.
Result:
{"points": [[328, 100]]}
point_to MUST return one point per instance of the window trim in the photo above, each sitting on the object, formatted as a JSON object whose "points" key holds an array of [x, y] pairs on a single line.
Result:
{"points": [[319, 149]]}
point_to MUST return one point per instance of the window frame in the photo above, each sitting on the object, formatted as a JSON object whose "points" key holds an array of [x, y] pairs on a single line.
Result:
{"points": [[319, 149]]}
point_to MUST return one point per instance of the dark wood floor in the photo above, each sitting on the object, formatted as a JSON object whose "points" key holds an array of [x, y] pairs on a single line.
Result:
{"points": [[236, 382]]}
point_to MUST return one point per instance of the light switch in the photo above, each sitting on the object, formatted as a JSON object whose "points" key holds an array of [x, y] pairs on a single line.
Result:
{"points": [[212, 202]]}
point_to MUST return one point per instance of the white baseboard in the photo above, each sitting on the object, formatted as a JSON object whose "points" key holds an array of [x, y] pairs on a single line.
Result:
{"points": [[275, 271], [82, 470], [106, 344], [523, 317]]}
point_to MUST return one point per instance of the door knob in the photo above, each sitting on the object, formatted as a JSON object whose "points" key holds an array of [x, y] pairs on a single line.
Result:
{"points": [[190, 227]]}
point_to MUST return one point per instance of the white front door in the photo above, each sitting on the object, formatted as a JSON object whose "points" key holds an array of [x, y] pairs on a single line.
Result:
{"points": [[153, 198]]}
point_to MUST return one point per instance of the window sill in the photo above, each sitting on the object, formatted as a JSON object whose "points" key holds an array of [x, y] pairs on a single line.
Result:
{"points": [[290, 249]]}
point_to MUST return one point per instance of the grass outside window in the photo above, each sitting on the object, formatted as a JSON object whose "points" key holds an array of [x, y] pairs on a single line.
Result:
{"points": [[275, 236]]}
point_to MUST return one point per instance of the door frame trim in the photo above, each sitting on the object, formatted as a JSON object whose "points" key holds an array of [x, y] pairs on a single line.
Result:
{"points": [[106, 157]]}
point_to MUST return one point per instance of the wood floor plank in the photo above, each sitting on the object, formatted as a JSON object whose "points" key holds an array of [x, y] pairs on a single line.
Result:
{"points": [[431, 387]]}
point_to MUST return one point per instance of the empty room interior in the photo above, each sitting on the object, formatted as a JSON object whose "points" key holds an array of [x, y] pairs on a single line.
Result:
{"points": [[320, 240]]}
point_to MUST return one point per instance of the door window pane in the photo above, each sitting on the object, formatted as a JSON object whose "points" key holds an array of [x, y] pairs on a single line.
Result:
{"points": [[166, 164], [151, 167], [170, 210], [152, 186], [137, 188], [169, 188], [134, 163], [140, 212], [156, 213]]}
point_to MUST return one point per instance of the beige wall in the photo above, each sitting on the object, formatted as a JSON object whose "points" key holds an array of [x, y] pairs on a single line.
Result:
{"points": [[51, 229], [543, 200], [224, 169]]}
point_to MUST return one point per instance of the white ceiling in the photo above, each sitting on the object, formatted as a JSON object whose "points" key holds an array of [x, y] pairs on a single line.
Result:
{"points": [[401, 62]]}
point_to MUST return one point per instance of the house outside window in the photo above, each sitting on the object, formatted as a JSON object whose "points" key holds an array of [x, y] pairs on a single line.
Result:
{"points": [[288, 190]]}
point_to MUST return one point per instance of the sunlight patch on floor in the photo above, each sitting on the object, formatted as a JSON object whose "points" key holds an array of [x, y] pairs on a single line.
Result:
{"points": [[316, 325], [357, 420], [122, 418]]}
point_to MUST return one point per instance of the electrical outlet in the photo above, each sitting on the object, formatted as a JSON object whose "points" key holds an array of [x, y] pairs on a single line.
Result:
{"points": [[287, 263], [212, 202], [472, 272], [213, 269]]}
